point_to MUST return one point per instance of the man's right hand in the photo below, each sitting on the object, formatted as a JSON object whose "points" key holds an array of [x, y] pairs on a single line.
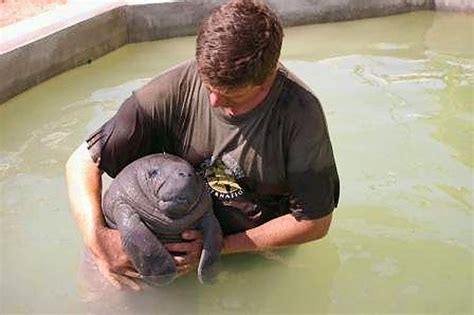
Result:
{"points": [[84, 181], [112, 261]]}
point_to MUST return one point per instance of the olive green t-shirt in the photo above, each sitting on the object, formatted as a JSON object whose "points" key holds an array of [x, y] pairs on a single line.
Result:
{"points": [[270, 161]]}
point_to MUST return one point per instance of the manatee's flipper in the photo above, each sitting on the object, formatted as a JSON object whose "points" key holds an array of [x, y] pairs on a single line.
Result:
{"points": [[211, 249], [148, 255]]}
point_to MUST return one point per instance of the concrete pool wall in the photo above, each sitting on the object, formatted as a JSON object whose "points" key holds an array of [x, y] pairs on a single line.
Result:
{"points": [[34, 50]]}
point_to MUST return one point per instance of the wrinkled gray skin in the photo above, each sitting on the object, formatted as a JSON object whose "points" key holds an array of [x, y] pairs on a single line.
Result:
{"points": [[152, 201]]}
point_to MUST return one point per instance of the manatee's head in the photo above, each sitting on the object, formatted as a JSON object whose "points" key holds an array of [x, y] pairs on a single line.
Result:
{"points": [[176, 188]]}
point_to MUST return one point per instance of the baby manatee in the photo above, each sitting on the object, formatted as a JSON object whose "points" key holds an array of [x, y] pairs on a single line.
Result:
{"points": [[151, 202]]}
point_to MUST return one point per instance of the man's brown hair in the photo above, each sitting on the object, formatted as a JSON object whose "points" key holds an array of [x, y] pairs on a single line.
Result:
{"points": [[239, 44]]}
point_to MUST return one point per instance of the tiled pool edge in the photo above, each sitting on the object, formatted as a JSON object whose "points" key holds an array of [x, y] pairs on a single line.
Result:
{"points": [[67, 47]]}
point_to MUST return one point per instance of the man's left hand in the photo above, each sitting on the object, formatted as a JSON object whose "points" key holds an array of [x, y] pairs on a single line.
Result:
{"points": [[187, 253]]}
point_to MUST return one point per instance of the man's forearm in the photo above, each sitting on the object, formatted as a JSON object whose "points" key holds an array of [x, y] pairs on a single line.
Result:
{"points": [[84, 181], [279, 232], [84, 188]]}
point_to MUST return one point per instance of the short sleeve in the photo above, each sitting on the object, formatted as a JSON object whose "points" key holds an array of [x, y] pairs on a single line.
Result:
{"points": [[127, 136], [311, 170]]}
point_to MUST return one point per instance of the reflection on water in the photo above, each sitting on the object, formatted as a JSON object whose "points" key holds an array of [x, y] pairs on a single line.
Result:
{"points": [[453, 120], [247, 284], [398, 95]]}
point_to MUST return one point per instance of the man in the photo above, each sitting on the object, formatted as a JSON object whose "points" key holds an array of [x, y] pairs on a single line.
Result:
{"points": [[250, 127]]}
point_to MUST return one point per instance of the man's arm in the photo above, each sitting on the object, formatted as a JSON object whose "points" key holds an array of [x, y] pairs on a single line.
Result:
{"points": [[279, 232], [84, 187]]}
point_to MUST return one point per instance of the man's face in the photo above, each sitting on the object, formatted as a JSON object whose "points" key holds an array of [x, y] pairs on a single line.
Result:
{"points": [[233, 98]]}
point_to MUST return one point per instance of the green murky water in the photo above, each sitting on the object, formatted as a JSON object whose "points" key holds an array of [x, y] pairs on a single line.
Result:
{"points": [[398, 95]]}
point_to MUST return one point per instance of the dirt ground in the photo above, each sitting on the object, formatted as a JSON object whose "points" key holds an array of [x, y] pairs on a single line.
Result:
{"points": [[12, 11]]}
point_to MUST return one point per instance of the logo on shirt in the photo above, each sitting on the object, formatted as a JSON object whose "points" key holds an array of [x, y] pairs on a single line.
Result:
{"points": [[222, 176]]}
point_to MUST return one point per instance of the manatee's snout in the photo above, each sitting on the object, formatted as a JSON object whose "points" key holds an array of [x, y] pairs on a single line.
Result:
{"points": [[179, 193]]}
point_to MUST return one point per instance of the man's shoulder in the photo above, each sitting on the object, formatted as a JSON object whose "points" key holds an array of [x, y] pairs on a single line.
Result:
{"points": [[298, 89], [300, 101], [305, 119], [168, 83]]}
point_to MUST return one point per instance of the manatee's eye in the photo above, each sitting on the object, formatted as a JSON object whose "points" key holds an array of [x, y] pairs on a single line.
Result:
{"points": [[185, 174], [153, 173]]}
